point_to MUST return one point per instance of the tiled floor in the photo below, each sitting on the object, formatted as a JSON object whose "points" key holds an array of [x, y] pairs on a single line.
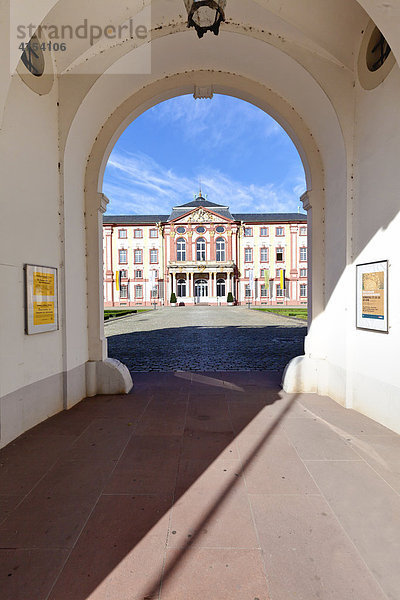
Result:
{"points": [[211, 486]]}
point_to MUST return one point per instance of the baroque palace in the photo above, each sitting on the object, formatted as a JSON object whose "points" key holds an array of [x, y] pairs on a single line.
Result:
{"points": [[201, 252]]}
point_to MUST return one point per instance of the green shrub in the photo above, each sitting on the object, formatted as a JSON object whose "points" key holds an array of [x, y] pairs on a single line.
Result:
{"points": [[173, 298], [230, 297]]}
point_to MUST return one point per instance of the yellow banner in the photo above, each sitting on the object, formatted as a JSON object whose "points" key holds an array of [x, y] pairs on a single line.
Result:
{"points": [[43, 313], [117, 280], [282, 282], [43, 284]]}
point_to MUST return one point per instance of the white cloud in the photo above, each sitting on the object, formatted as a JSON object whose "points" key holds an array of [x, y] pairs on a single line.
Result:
{"points": [[217, 122], [136, 184]]}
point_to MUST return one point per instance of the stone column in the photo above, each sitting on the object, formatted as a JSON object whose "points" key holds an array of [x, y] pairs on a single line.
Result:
{"points": [[305, 199], [108, 259]]}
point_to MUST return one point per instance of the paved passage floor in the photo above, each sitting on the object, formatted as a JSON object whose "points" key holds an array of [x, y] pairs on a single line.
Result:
{"points": [[205, 338], [202, 486]]}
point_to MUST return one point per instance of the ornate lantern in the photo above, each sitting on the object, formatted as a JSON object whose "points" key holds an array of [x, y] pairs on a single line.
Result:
{"points": [[205, 15]]}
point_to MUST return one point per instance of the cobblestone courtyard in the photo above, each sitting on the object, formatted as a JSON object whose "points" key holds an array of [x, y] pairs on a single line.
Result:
{"points": [[205, 338]]}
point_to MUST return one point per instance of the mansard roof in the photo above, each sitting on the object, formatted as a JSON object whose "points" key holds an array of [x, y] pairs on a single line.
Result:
{"points": [[270, 217], [200, 201], [216, 208], [134, 219]]}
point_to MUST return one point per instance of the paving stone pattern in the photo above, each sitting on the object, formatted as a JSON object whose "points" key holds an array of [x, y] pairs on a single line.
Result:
{"points": [[205, 338]]}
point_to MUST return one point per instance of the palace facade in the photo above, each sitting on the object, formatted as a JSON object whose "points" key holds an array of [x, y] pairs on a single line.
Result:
{"points": [[201, 252]]}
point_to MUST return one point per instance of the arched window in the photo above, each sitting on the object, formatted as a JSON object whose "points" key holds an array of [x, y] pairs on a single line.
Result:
{"points": [[221, 288], [220, 247], [181, 288], [180, 250], [201, 288], [201, 249]]}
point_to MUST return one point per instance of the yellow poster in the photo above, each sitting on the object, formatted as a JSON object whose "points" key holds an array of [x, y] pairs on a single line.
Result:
{"points": [[373, 297], [43, 284], [43, 313]]}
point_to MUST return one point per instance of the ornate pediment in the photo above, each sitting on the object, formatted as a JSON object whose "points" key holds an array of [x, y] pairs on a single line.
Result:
{"points": [[201, 215]]}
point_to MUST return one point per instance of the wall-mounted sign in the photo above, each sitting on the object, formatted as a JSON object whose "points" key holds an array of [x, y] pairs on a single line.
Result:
{"points": [[41, 299], [372, 296]]}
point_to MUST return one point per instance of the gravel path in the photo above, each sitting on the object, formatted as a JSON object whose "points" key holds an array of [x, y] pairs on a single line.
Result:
{"points": [[205, 338]]}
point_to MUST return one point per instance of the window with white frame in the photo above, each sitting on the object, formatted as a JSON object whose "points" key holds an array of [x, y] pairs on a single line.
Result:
{"points": [[247, 291], [248, 231], [263, 272], [181, 288], [139, 292], [124, 274], [303, 272], [264, 231], [303, 290], [279, 231], [123, 294], [123, 256], [303, 230], [201, 249], [264, 291], [221, 286], [303, 254], [138, 256], [138, 233], [153, 233], [280, 254], [264, 254], [247, 273], [138, 274], [248, 255], [279, 292], [122, 234], [153, 256], [180, 249], [154, 292], [220, 249]]}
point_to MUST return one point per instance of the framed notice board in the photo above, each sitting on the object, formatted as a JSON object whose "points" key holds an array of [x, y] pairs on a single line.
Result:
{"points": [[41, 299], [372, 296]]}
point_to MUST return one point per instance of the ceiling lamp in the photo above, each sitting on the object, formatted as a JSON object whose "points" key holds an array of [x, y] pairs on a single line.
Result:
{"points": [[205, 15]]}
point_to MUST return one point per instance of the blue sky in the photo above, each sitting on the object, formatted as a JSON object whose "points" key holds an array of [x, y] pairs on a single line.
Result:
{"points": [[241, 155]]}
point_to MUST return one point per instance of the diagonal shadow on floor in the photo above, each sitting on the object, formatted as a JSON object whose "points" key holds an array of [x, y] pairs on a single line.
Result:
{"points": [[163, 493]]}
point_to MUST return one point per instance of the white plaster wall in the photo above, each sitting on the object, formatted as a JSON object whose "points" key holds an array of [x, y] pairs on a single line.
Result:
{"points": [[376, 378], [30, 233]]}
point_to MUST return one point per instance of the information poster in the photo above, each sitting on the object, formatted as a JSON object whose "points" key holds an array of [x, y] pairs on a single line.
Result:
{"points": [[41, 299], [372, 296]]}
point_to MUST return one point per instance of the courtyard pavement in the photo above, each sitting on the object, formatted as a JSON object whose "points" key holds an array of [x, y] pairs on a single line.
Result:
{"points": [[205, 338], [202, 486]]}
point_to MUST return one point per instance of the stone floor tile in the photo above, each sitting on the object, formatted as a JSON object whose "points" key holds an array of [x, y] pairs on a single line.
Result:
{"points": [[369, 511], [307, 553], [206, 519], [26, 460], [148, 465], [7, 504], [120, 551], [206, 445], [29, 574], [223, 574], [315, 440], [52, 515], [104, 440], [272, 466]]}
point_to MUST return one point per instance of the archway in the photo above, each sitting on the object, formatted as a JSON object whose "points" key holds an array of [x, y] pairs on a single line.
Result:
{"points": [[302, 76]]}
